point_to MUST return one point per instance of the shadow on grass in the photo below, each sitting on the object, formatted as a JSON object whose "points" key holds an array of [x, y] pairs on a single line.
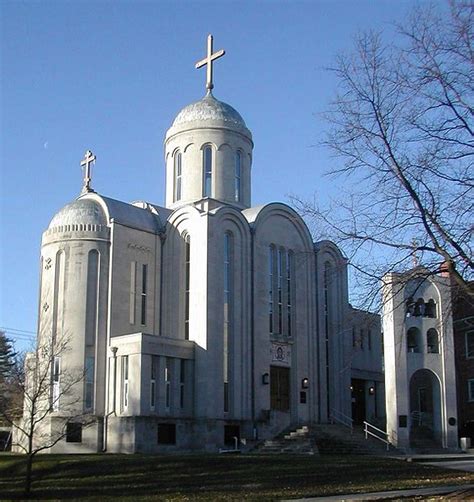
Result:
{"points": [[215, 477]]}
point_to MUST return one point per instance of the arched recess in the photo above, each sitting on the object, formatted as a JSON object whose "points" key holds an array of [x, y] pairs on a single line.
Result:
{"points": [[425, 409], [414, 341], [432, 341]]}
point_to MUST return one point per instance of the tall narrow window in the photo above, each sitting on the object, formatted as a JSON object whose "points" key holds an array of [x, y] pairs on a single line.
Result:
{"points": [[271, 265], [361, 339], [280, 290], [168, 384], [56, 383], [89, 383], [289, 259], [92, 296], [177, 176], [144, 281], [327, 323], [58, 294], [228, 279], [152, 382], [187, 282], [238, 176], [207, 171], [133, 290], [469, 345], [470, 390], [369, 339], [182, 379], [124, 382]]}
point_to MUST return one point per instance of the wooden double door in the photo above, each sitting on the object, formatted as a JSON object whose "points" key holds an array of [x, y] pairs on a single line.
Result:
{"points": [[279, 388]]}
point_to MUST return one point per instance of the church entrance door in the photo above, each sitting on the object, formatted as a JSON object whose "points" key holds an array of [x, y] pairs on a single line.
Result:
{"points": [[279, 388], [358, 400]]}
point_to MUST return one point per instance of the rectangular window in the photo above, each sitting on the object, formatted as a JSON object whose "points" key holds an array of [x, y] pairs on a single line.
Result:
{"points": [[133, 290], [124, 382], [470, 390], [207, 158], [361, 339], [166, 434], [73, 432], [280, 291], [470, 345], [354, 338], [89, 383], [288, 292], [152, 382], [369, 339], [144, 281], [182, 376], [56, 383], [271, 262], [168, 384]]}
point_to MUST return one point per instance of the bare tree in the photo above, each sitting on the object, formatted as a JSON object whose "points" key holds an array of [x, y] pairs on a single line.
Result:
{"points": [[52, 400], [402, 123]]}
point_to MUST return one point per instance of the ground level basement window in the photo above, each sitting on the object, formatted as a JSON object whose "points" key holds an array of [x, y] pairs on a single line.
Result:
{"points": [[166, 433], [73, 432]]}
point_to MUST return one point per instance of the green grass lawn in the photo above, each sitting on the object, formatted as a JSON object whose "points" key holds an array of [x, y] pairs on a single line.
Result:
{"points": [[214, 477]]}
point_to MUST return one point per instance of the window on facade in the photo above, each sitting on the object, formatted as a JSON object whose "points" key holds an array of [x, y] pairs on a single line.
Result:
{"points": [[432, 341], [271, 266], [280, 289], [73, 432], [369, 339], [470, 389], [430, 308], [470, 345], [228, 280], [177, 176], [182, 379], [133, 290], [187, 283], [56, 383], [361, 339], [354, 337], [289, 265], [238, 176], [124, 382], [207, 171], [166, 434], [89, 383], [413, 340], [168, 384], [153, 382], [144, 286]]}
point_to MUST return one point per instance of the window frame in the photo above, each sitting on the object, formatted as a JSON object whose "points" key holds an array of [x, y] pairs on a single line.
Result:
{"points": [[207, 170]]}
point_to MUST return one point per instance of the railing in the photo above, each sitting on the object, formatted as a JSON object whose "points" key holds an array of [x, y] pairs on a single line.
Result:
{"points": [[337, 416], [375, 432]]}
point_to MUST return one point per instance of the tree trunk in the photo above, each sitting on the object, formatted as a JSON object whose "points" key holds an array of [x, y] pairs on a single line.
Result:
{"points": [[29, 468]]}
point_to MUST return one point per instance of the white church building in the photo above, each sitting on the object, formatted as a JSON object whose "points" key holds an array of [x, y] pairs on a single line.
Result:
{"points": [[205, 319]]}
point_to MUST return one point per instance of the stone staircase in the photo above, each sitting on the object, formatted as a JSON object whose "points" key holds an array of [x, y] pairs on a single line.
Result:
{"points": [[298, 441], [333, 439]]}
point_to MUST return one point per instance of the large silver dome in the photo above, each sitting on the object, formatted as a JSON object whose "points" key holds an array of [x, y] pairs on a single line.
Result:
{"points": [[80, 212], [210, 109]]}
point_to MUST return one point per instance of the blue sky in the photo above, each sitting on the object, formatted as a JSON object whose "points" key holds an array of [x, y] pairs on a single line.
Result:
{"points": [[110, 76]]}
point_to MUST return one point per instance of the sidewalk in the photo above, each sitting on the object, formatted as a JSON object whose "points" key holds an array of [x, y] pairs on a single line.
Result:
{"points": [[458, 492]]}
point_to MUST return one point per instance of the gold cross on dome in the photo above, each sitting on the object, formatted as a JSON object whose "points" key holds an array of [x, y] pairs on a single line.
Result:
{"points": [[89, 158], [208, 61]]}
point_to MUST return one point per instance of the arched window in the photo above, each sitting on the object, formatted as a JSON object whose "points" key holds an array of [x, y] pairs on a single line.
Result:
{"points": [[187, 279], [237, 176], [413, 340], [228, 300], [410, 307], [430, 308], [432, 341], [280, 289], [289, 289], [419, 307], [207, 172], [177, 175]]}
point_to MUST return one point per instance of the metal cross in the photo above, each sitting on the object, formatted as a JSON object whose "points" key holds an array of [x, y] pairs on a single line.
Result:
{"points": [[89, 158], [208, 61]]}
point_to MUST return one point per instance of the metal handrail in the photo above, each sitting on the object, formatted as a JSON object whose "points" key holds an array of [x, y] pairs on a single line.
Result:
{"points": [[341, 418], [368, 432]]}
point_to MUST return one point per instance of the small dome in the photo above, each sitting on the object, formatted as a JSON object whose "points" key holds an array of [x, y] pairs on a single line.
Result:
{"points": [[210, 109], [82, 211]]}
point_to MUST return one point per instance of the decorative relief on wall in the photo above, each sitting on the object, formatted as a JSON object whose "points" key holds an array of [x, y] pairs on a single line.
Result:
{"points": [[281, 353], [138, 247], [45, 306], [47, 264]]}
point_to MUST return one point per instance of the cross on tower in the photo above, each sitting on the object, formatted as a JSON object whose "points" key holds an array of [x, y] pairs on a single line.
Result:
{"points": [[89, 158], [208, 61]]}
